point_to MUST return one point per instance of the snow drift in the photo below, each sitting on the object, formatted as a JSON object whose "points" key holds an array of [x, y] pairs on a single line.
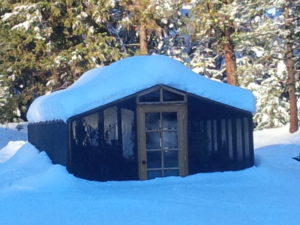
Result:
{"points": [[33, 191]]}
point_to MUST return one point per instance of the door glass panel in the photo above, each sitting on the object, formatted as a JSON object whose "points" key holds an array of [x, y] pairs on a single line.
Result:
{"points": [[170, 140], [154, 173], [154, 159], [169, 96], [151, 97], [169, 120], [171, 159], [171, 173], [153, 140], [152, 121]]}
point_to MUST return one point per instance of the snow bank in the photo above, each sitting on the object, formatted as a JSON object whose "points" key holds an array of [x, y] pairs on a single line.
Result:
{"points": [[10, 150], [128, 76], [33, 191], [12, 132], [29, 169]]}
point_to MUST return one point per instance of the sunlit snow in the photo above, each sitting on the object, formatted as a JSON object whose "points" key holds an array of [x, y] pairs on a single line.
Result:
{"points": [[100, 86], [33, 191]]}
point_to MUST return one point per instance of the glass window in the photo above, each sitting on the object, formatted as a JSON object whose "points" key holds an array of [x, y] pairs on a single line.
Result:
{"points": [[91, 127], [169, 120], [111, 125], [85, 130], [171, 159], [171, 173], [161, 95], [152, 121], [154, 159], [127, 117], [154, 173], [153, 140], [169, 96], [151, 97], [170, 140]]}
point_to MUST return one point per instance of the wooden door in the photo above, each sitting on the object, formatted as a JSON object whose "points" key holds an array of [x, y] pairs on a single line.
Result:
{"points": [[162, 140]]}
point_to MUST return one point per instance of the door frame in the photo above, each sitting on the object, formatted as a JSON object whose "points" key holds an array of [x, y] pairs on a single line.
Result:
{"points": [[182, 135]]}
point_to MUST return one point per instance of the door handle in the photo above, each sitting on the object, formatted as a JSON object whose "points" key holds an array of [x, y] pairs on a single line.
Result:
{"points": [[144, 162]]}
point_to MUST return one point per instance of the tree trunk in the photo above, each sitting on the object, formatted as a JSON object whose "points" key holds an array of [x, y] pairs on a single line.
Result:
{"points": [[290, 65], [143, 40], [230, 59]]}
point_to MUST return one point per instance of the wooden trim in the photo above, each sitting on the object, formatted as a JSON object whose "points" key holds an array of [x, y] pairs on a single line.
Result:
{"points": [[141, 137], [161, 88], [187, 94], [181, 110]]}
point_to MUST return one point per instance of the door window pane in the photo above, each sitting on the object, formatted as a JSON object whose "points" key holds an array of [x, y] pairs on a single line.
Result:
{"points": [[171, 173], [154, 159], [153, 140], [152, 121], [169, 120], [169, 96], [170, 140], [150, 97], [154, 173], [171, 159]]}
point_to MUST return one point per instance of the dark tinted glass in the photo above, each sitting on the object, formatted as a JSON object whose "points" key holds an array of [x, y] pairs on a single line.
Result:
{"points": [[171, 159], [128, 136], [169, 120], [152, 121], [153, 140], [111, 126], [150, 97], [171, 173], [154, 159], [169, 96], [154, 173], [170, 140]]}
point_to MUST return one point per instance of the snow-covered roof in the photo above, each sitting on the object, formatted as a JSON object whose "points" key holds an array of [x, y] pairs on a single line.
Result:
{"points": [[100, 86]]}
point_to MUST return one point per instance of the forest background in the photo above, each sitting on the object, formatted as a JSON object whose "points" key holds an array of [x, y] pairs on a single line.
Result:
{"points": [[46, 45]]}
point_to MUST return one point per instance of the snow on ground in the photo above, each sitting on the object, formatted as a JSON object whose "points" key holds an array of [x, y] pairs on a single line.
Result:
{"points": [[9, 132], [33, 191]]}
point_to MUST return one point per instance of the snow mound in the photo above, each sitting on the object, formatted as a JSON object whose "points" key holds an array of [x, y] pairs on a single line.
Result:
{"points": [[10, 149], [30, 169], [12, 132], [33, 191], [100, 86]]}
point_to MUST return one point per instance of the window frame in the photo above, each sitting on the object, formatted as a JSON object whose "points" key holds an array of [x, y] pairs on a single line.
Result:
{"points": [[161, 88]]}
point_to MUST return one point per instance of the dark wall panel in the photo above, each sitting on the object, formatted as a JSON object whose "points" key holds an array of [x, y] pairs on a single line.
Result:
{"points": [[51, 137], [219, 137]]}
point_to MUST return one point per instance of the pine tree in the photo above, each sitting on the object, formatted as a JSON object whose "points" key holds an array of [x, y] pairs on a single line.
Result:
{"points": [[214, 22], [149, 19], [290, 22], [268, 40], [46, 45], [257, 44]]}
